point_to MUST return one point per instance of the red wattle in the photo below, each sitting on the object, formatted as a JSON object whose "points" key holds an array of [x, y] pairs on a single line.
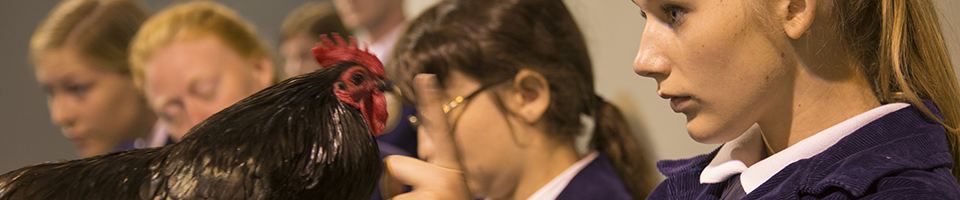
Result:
{"points": [[379, 113]]}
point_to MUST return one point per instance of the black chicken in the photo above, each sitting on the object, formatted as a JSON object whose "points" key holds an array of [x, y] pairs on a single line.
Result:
{"points": [[308, 137]]}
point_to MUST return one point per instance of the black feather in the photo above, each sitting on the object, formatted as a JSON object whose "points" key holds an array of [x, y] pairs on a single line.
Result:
{"points": [[293, 140]]}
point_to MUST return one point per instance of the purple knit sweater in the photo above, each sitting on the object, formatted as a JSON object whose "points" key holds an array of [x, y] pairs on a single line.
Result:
{"points": [[902, 155]]}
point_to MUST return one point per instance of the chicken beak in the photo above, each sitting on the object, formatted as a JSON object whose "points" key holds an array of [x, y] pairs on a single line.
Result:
{"points": [[388, 85]]}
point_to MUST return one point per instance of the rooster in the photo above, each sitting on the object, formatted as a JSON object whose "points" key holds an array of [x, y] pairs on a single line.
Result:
{"points": [[308, 137]]}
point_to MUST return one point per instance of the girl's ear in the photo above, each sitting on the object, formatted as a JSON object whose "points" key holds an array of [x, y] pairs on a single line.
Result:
{"points": [[799, 16], [532, 95]]}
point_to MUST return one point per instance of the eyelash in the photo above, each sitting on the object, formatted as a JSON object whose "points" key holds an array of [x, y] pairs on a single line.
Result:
{"points": [[79, 90], [674, 12]]}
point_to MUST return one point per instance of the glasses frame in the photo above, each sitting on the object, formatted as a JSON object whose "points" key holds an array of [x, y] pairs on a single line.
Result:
{"points": [[458, 101]]}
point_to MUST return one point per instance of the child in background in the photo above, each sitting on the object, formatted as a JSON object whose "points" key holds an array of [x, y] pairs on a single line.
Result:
{"points": [[79, 54]]}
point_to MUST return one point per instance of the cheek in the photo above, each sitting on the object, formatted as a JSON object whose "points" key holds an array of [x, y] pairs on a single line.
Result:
{"points": [[481, 134], [116, 107], [733, 73], [733, 69], [108, 117], [235, 87], [292, 66], [486, 143], [100, 107]]}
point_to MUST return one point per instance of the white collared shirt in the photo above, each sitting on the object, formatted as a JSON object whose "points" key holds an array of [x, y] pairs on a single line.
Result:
{"points": [[383, 47], [553, 188], [157, 138], [749, 148]]}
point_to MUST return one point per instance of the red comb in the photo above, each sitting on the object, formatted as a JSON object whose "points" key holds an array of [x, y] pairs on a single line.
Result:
{"points": [[329, 53]]}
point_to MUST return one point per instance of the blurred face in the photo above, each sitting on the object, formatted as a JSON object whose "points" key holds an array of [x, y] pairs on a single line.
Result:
{"points": [[96, 109], [190, 80], [296, 53], [717, 63], [488, 153], [364, 13]]}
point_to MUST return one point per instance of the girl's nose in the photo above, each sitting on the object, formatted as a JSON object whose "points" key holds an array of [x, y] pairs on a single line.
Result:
{"points": [[651, 60]]}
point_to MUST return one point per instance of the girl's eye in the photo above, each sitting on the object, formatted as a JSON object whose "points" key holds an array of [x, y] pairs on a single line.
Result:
{"points": [[643, 14], [205, 88], [79, 90], [674, 12]]}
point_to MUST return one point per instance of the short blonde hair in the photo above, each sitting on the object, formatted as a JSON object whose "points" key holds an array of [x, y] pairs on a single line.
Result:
{"points": [[99, 29], [191, 21]]}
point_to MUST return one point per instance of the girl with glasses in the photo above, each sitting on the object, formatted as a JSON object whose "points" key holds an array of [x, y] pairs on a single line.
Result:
{"points": [[510, 87]]}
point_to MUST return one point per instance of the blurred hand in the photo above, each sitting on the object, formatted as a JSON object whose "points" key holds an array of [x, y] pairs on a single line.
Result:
{"points": [[440, 177]]}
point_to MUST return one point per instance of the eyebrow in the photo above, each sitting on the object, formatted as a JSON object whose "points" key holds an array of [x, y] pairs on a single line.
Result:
{"points": [[647, 1], [68, 79]]}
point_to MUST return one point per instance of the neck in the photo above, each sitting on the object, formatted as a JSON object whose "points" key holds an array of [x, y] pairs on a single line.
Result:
{"points": [[380, 29], [817, 104], [546, 159]]}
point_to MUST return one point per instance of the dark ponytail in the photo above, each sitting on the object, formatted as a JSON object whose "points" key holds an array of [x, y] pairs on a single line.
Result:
{"points": [[613, 136]]}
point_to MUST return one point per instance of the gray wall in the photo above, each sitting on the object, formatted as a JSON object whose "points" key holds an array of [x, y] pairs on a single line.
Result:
{"points": [[612, 29]]}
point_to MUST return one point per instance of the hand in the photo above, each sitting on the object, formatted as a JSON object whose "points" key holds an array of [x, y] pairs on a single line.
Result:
{"points": [[440, 177]]}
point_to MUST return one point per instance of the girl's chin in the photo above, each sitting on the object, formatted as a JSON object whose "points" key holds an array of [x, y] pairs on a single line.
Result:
{"points": [[92, 150], [710, 135]]}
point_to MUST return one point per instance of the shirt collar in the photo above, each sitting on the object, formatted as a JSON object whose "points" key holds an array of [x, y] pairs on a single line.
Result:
{"points": [[731, 159], [383, 47], [158, 137], [552, 189]]}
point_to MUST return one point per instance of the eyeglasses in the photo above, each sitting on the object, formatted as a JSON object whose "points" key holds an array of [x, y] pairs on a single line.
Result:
{"points": [[459, 101]]}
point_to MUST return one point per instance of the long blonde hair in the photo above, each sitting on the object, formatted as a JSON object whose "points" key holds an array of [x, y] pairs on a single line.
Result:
{"points": [[907, 60]]}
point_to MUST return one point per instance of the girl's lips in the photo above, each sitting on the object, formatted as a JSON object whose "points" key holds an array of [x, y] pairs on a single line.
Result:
{"points": [[678, 104], [78, 138]]}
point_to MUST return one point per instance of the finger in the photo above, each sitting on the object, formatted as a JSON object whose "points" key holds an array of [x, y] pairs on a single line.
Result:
{"points": [[434, 122], [390, 186], [413, 196], [408, 171], [427, 180], [408, 196], [418, 174]]}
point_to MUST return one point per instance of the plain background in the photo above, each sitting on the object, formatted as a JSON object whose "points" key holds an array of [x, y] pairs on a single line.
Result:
{"points": [[612, 29]]}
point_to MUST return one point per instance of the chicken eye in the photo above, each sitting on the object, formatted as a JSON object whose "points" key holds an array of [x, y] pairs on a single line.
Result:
{"points": [[342, 86], [357, 79]]}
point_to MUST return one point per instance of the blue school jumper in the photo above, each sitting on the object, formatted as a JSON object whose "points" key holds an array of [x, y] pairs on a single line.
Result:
{"points": [[598, 180], [404, 135], [386, 149], [902, 155]]}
